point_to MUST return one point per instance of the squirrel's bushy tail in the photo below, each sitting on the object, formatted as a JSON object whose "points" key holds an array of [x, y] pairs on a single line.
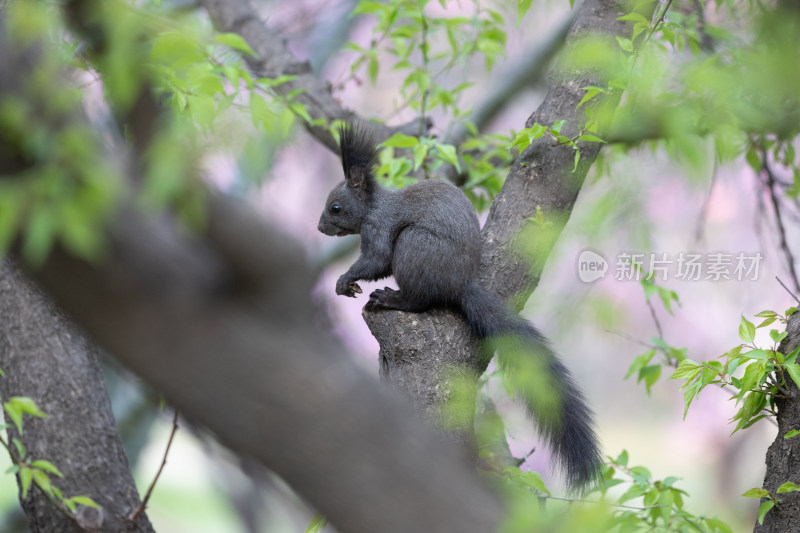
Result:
{"points": [[551, 396]]}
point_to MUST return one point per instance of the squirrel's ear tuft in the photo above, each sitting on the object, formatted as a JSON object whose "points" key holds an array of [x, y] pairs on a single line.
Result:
{"points": [[359, 154]]}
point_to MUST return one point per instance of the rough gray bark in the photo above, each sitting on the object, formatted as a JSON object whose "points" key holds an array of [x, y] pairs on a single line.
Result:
{"points": [[418, 350], [36, 342], [783, 455]]}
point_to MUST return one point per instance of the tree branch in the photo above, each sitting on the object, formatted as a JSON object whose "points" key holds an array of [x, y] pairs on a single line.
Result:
{"points": [[275, 59]]}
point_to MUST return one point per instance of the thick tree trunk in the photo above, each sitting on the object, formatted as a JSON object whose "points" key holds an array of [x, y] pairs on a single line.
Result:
{"points": [[46, 358], [783, 456], [419, 353]]}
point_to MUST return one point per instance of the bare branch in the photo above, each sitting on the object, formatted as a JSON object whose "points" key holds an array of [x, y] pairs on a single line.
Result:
{"points": [[776, 209]]}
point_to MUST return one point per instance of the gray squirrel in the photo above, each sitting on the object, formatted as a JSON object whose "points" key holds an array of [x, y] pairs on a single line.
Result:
{"points": [[427, 234]]}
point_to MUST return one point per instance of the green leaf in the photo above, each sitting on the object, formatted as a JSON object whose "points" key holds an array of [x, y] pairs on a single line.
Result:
{"points": [[634, 491], [40, 232], [15, 414], [753, 375], [317, 523], [177, 49], [635, 17], [372, 68], [591, 92], [766, 322], [688, 396], [764, 509], [788, 487], [10, 209], [754, 160], [650, 375], [42, 480], [687, 369], [756, 493], [43, 464], [85, 500], [420, 153], [203, 109], [777, 336], [794, 372], [767, 314], [591, 138], [398, 140], [791, 433], [236, 42], [625, 44], [640, 362], [758, 354], [274, 82], [25, 478], [522, 7], [715, 524], [556, 127], [747, 331], [448, 153], [27, 406], [576, 160], [20, 447]]}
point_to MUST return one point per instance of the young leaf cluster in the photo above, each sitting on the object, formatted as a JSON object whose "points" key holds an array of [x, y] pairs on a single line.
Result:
{"points": [[770, 499], [764, 372], [34, 472], [645, 504]]}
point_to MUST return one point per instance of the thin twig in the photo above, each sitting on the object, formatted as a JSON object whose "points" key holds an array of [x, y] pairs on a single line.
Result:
{"points": [[619, 505], [655, 319], [135, 514], [629, 338], [793, 295], [784, 245]]}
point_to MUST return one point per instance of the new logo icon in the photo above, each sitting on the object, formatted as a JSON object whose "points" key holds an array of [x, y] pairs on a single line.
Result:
{"points": [[591, 266]]}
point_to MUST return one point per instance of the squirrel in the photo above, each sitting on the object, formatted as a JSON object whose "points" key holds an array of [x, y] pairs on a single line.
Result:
{"points": [[428, 236]]}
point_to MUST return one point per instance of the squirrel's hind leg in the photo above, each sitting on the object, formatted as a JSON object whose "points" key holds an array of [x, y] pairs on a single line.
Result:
{"points": [[388, 298]]}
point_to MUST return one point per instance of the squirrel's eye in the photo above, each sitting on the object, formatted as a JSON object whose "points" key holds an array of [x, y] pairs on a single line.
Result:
{"points": [[336, 209]]}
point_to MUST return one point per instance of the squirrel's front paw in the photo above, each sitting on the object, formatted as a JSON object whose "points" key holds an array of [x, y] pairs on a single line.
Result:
{"points": [[345, 287]]}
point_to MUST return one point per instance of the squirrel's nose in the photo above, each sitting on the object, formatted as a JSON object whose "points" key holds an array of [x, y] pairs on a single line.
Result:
{"points": [[319, 227]]}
